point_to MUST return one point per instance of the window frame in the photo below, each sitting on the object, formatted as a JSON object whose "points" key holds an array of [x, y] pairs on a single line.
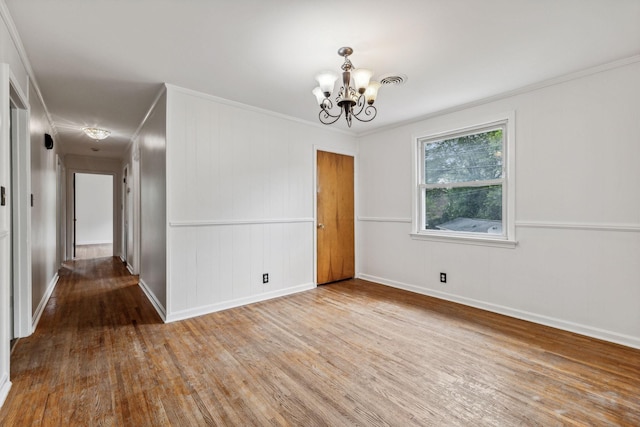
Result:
{"points": [[506, 122]]}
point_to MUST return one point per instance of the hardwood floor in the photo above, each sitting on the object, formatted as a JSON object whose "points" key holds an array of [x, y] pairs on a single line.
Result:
{"points": [[94, 251], [349, 353]]}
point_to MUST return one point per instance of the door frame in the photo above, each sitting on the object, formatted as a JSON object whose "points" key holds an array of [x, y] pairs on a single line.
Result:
{"points": [[356, 227], [71, 200], [125, 212], [61, 211], [20, 140]]}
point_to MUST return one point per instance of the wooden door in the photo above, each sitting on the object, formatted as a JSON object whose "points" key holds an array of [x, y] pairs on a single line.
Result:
{"points": [[335, 232]]}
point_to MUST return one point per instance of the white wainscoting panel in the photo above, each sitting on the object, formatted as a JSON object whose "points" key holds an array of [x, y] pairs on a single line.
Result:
{"points": [[219, 266]]}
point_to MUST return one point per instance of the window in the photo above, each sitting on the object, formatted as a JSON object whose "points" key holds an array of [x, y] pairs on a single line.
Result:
{"points": [[463, 185]]}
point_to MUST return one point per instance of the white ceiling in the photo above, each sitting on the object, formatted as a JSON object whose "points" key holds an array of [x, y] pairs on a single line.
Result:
{"points": [[102, 62]]}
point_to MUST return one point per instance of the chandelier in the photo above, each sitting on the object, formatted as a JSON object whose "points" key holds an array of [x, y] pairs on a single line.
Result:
{"points": [[356, 97]]}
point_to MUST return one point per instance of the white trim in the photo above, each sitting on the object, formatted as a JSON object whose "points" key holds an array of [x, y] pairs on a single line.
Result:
{"points": [[633, 228], [465, 238], [383, 219], [504, 95], [21, 207], [463, 184], [212, 308], [5, 386], [150, 111], [43, 302], [553, 322], [15, 87], [212, 223], [257, 109], [22, 54], [154, 301]]}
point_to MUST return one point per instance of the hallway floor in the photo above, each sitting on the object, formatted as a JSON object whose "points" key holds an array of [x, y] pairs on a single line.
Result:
{"points": [[349, 353], [94, 251]]}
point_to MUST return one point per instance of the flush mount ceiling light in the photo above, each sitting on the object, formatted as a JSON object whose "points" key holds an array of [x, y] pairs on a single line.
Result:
{"points": [[356, 97], [96, 133]]}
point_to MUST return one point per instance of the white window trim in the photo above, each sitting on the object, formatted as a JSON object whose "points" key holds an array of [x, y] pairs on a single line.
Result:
{"points": [[507, 239]]}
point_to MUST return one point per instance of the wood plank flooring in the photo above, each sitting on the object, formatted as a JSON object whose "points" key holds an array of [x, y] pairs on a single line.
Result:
{"points": [[94, 251], [349, 353]]}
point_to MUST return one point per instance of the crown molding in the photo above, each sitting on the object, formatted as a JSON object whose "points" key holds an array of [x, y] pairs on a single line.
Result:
{"points": [[22, 54], [508, 94], [251, 108]]}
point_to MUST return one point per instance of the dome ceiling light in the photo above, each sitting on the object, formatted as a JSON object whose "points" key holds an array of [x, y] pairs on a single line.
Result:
{"points": [[96, 133]]}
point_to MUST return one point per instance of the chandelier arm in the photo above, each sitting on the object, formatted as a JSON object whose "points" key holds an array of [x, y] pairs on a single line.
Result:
{"points": [[326, 104], [369, 110], [359, 105], [325, 117]]}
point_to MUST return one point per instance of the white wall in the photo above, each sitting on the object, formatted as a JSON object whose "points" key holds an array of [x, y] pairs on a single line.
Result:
{"points": [[151, 143], [577, 211], [44, 263], [240, 202], [94, 209]]}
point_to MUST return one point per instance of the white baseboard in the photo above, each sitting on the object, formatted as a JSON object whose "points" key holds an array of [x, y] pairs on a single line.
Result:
{"points": [[154, 301], [577, 328], [44, 301], [199, 311], [5, 386]]}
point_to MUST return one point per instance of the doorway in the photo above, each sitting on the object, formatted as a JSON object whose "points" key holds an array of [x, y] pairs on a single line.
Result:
{"points": [[12, 241], [126, 218], [335, 217], [93, 216]]}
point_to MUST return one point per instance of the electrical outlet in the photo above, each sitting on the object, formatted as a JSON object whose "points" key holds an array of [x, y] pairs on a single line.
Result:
{"points": [[443, 277], [265, 278]]}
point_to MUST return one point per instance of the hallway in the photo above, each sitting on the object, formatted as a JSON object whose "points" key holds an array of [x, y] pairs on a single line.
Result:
{"points": [[70, 371]]}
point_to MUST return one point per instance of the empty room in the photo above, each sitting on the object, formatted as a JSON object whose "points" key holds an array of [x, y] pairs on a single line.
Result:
{"points": [[281, 212]]}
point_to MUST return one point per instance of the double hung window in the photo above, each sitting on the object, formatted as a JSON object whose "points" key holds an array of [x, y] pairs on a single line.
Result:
{"points": [[463, 184]]}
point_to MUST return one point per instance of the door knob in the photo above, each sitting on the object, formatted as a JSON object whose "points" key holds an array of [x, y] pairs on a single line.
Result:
{"points": [[321, 226]]}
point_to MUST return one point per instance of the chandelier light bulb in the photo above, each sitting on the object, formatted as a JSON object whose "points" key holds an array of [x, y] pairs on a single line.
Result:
{"points": [[326, 82], [372, 92], [361, 77], [319, 95]]}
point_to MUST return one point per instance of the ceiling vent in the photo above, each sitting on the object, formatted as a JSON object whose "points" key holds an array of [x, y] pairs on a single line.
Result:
{"points": [[393, 79]]}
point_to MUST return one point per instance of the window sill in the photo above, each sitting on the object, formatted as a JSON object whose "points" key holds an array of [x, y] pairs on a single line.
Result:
{"points": [[465, 240]]}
